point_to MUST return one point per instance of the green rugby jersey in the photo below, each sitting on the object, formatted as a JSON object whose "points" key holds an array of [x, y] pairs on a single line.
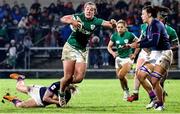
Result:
{"points": [[143, 29], [120, 40], [173, 37], [79, 38]]}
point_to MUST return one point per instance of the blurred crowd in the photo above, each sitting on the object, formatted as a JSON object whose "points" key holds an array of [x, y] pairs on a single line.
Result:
{"points": [[39, 26]]}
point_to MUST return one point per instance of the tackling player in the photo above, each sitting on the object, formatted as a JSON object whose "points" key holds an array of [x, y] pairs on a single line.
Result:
{"points": [[41, 96]]}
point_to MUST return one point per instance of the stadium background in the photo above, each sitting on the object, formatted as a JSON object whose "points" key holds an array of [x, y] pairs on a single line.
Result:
{"points": [[39, 51]]}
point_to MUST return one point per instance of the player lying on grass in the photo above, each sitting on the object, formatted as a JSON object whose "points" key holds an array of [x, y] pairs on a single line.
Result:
{"points": [[41, 96]]}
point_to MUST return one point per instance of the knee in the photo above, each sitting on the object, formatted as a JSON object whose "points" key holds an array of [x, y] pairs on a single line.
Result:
{"points": [[19, 88], [121, 77], [141, 76], [78, 78], [67, 77]]}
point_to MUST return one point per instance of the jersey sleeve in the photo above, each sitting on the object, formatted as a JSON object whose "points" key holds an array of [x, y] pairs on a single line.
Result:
{"points": [[133, 37], [54, 87], [174, 37], [113, 38]]}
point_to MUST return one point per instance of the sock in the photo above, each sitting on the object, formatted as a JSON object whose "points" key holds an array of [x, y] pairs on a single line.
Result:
{"points": [[152, 95], [159, 103], [135, 91], [15, 101], [20, 78]]}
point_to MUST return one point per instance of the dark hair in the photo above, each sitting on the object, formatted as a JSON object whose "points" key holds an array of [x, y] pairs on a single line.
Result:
{"points": [[153, 10], [164, 11], [71, 89], [67, 95]]}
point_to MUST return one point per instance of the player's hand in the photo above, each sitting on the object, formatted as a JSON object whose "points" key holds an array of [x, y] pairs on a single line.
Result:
{"points": [[76, 24], [114, 54], [134, 45], [132, 56], [126, 46], [113, 23]]}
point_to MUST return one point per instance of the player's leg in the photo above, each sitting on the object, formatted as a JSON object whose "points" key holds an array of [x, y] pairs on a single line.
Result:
{"points": [[69, 67], [12, 99], [135, 95], [23, 104], [80, 66], [27, 104], [162, 65], [156, 76], [20, 85], [121, 73], [69, 60], [143, 73], [79, 73]]}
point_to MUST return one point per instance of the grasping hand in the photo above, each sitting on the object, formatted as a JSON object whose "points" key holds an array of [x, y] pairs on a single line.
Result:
{"points": [[113, 23], [76, 24]]}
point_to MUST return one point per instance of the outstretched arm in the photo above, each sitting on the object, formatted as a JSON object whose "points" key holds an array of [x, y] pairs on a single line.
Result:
{"points": [[109, 24]]}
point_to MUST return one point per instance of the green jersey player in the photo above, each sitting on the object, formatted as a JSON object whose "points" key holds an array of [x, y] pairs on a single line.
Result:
{"points": [[123, 57], [75, 54]]}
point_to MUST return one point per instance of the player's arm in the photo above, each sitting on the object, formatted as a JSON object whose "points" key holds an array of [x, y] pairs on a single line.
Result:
{"points": [[110, 50], [175, 40], [109, 24], [68, 19], [132, 56], [48, 97], [153, 40]]}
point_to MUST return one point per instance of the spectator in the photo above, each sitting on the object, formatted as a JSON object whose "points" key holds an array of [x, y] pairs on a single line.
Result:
{"points": [[68, 8], [52, 8], [95, 54], [60, 7], [23, 10], [12, 54]]}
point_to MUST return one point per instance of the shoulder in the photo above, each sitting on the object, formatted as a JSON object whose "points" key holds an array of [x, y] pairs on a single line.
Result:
{"points": [[130, 34], [55, 85], [115, 34], [169, 28], [143, 26]]}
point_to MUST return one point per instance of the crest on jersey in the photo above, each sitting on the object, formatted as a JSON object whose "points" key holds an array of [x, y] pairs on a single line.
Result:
{"points": [[92, 27], [117, 42], [126, 41]]}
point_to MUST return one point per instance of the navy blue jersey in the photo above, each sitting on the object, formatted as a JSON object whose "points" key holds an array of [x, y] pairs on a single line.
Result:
{"points": [[156, 37], [53, 88]]}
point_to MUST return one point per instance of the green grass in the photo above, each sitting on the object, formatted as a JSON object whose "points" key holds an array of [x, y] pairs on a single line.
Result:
{"points": [[95, 96]]}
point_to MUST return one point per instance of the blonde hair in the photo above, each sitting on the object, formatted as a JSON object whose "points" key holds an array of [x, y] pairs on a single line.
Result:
{"points": [[92, 4], [123, 22]]}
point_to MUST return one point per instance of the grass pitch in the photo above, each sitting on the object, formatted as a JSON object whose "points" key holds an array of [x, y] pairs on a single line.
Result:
{"points": [[94, 97]]}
